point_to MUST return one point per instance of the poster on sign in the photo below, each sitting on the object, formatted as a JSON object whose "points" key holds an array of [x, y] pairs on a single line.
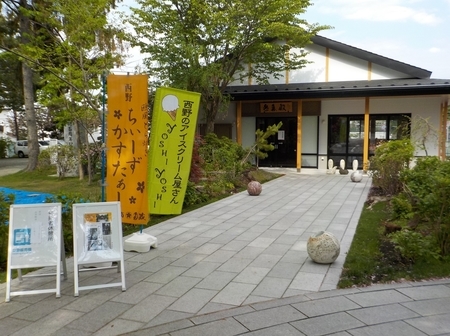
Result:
{"points": [[97, 229], [98, 232], [35, 240]]}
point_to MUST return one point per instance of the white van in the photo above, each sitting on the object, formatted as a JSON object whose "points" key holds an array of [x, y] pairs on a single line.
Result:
{"points": [[21, 147]]}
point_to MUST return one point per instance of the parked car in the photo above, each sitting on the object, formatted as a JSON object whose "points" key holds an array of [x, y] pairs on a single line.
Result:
{"points": [[21, 147]]}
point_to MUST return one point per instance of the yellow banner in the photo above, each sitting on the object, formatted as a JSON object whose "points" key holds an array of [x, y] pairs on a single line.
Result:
{"points": [[126, 145], [171, 142]]}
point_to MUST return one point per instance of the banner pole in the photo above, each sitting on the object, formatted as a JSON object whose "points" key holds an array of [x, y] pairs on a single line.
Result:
{"points": [[103, 136]]}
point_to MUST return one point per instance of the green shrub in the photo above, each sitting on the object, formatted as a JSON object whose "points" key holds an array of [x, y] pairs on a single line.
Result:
{"points": [[401, 207], [4, 144], [5, 203], [413, 245], [391, 158], [427, 187], [221, 160]]}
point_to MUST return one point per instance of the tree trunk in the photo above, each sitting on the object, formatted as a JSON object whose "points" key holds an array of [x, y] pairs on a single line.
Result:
{"points": [[28, 94]]}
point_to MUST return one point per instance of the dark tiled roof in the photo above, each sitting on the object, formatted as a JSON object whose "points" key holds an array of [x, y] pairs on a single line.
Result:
{"points": [[373, 88], [412, 71]]}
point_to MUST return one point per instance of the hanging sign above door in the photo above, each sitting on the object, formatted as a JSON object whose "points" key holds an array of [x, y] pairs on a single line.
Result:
{"points": [[275, 107]]}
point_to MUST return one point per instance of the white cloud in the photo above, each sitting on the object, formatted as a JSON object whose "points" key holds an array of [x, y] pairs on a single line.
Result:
{"points": [[379, 10], [434, 50]]}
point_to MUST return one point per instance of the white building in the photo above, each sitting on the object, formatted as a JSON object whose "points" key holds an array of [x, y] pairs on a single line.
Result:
{"points": [[340, 107]]}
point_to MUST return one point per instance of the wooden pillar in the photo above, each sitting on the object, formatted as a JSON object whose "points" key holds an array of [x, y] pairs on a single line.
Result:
{"points": [[239, 122], [299, 135], [366, 134], [443, 130]]}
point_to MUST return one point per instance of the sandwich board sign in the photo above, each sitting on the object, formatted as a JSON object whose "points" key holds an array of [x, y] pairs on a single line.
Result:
{"points": [[35, 240], [97, 229]]}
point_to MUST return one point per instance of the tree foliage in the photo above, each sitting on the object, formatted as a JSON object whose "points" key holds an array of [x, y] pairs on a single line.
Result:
{"points": [[70, 44], [205, 45]]}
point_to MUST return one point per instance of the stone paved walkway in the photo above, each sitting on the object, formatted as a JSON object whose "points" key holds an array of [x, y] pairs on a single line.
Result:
{"points": [[230, 258]]}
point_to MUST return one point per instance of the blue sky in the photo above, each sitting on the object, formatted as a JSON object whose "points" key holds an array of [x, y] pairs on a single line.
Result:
{"points": [[416, 32]]}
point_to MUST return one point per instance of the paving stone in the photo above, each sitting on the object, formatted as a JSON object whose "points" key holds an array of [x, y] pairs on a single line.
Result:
{"points": [[252, 275], [263, 242], [325, 306], [251, 299], [398, 328], [9, 325], [378, 298], [148, 308], [266, 261], [225, 327], [156, 264], [235, 245], [426, 292], [100, 316], [235, 265], [328, 324], [193, 300], [118, 327], [432, 325], [307, 281], [89, 300], [137, 293], [167, 274], [272, 287], [208, 248], [429, 307], [220, 256], [249, 252], [311, 267], [278, 330], [212, 307], [43, 308], [382, 314], [234, 293], [9, 308], [202, 269], [284, 270], [179, 252], [222, 314], [49, 324], [167, 316], [162, 330], [269, 317], [178, 286], [216, 280], [71, 332], [294, 257], [189, 260]]}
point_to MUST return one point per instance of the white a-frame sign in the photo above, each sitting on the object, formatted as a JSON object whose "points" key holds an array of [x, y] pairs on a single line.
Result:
{"points": [[97, 229], [35, 240]]}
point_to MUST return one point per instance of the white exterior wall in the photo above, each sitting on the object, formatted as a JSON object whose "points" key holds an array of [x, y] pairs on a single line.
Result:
{"points": [[313, 72], [425, 107]]}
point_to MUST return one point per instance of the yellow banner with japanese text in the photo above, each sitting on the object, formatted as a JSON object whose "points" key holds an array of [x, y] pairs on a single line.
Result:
{"points": [[127, 146], [171, 143]]}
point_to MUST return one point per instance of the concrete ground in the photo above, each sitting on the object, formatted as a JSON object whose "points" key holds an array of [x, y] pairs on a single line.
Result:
{"points": [[239, 266]]}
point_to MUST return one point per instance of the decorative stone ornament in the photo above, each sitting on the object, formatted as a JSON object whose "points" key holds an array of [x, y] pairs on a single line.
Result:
{"points": [[323, 247], [254, 188], [356, 176]]}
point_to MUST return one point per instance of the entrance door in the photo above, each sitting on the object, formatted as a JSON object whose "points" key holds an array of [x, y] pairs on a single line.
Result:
{"points": [[285, 142]]}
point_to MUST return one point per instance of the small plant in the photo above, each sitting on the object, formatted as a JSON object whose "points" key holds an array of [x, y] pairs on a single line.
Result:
{"points": [[65, 158], [261, 145], [5, 203], [391, 158], [413, 245], [5, 143]]}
